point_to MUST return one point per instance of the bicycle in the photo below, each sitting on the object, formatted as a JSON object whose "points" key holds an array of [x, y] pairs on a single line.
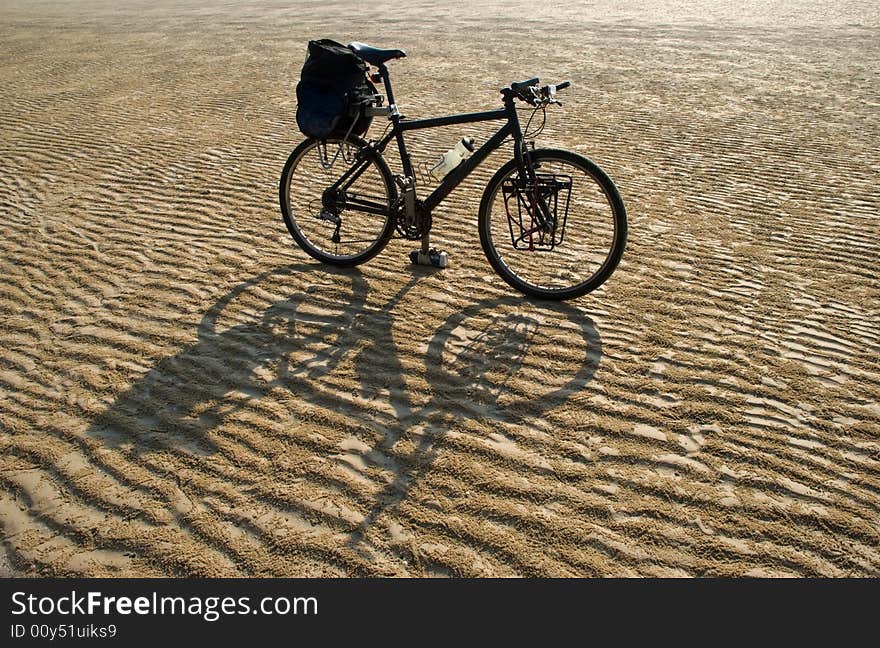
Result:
{"points": [[551, 222]]}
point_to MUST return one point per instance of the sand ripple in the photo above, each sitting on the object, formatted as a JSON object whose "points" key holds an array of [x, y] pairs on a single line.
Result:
{"points": [[183, 392]]}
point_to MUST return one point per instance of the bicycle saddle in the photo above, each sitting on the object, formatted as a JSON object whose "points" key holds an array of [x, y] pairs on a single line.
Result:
{"points": [[375, 55]]}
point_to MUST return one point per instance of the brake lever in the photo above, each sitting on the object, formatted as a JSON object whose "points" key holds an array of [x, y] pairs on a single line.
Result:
{"points": [[546, 95], [535, 98]]}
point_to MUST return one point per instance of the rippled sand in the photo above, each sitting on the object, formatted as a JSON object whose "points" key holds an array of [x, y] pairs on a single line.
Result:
{"points": [[184, 392]]}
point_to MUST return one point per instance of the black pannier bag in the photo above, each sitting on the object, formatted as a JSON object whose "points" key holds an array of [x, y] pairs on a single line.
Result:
{"points": [[332, 92]]}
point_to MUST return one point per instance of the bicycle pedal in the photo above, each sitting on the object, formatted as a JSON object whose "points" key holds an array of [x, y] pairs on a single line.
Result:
{"points": [[431, 258]]}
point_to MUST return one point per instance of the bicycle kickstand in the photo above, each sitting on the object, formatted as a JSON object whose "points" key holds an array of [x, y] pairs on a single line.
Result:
{"points": [[428, 256]]}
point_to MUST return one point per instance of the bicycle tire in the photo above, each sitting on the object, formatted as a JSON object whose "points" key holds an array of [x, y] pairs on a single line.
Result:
{"points": [[300, 221], [507, 260]]}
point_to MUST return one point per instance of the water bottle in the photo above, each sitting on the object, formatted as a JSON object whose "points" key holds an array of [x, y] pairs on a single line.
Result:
{"points": [[452, 158]]}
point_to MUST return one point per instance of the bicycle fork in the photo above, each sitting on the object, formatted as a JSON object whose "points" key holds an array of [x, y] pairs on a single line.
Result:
{"points": [[537, 207]]}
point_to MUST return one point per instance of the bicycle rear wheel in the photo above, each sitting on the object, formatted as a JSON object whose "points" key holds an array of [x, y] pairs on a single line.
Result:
{"points": [[354, 224], [582, 244]]}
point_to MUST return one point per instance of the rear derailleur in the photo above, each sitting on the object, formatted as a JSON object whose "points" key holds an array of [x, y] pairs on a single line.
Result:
{"points": [[333, 202]]}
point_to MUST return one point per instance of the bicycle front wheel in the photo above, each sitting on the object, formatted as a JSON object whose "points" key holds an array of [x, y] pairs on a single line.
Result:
{"points": [[576, 241], [343, 227]]}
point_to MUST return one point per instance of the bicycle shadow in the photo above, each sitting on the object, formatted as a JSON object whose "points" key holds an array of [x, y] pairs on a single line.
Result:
{"points": [[179, 402], [476, 365], [253, 346]]}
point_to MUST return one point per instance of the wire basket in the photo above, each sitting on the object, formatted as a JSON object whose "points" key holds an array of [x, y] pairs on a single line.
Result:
{"points": [[537, 212]]}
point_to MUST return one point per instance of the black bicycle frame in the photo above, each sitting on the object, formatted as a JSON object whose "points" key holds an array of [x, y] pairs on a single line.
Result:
{"points": [[459, 173], [454, 177]]}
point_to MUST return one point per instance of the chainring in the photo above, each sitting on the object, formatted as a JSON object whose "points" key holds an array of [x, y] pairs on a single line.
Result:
{"points": [[414, 229]]}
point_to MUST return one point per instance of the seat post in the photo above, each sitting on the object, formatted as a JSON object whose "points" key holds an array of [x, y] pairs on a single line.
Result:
{"points": [[386, 79], [408, 170]]}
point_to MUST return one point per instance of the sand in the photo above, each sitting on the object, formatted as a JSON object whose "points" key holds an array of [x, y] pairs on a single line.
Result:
{"points": [[184, 392]]}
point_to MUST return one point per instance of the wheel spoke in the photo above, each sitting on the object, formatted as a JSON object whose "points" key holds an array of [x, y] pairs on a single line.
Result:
{"points": [[585, 226], [361, 207]]}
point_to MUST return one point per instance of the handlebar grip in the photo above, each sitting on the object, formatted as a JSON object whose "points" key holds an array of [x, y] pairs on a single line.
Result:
{"points": [[563, 85], [518, 86]]}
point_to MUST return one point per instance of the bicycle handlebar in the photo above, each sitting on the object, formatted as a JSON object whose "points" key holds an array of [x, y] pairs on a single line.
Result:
{"points": [[519, 86], [529, 91]]}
